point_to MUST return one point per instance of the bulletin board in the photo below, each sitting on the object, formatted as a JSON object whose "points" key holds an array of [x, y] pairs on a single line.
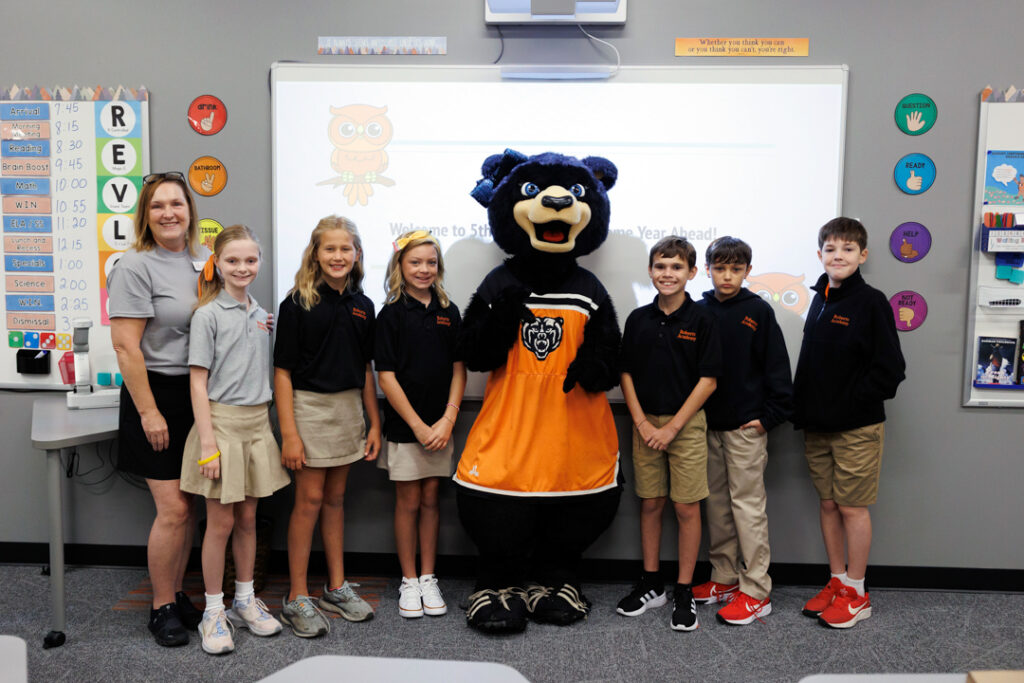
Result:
{"points": [[71, 167], [993, 370]]}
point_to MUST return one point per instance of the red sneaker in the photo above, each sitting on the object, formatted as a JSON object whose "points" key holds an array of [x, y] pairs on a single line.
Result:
{"points": [[816, 605], [710, 592], [847, 609], [743, 609]]}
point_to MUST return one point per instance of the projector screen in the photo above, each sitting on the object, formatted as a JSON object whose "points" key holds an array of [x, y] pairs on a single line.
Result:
{"points": [[756, 153]]}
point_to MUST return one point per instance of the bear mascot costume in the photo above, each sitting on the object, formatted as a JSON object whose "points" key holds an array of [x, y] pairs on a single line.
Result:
{"points": [[539, 478]]}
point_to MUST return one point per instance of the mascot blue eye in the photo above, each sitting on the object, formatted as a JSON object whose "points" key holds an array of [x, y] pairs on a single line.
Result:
{"points": [[577, 190], [530, 190]]}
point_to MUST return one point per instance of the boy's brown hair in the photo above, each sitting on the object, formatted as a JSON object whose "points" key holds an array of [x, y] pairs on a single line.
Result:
{"points": [[728, 250], [673, 246], [845, 229]]}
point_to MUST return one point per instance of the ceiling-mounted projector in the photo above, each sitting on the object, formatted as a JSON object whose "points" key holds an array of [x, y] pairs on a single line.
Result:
{"points": [[555, 11]]}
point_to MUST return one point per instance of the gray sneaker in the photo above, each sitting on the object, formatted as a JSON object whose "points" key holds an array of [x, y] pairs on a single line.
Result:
{"points": [[304, 618], [345, 602]]}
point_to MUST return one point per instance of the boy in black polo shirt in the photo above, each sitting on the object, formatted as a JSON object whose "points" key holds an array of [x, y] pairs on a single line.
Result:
{"points": [[755, 394], [850, 362], [671, 356]]}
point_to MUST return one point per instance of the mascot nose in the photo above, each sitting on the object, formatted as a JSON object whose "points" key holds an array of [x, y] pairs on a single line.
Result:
{"points": [[557, 203]]}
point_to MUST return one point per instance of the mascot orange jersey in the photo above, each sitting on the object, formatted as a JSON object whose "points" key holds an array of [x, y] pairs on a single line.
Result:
{"points": [[525, 412]]}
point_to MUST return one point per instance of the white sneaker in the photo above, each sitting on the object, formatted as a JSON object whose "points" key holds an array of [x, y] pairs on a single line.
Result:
{"points": [[433, 602], [215, 630], [254, 615], [410, 601]]}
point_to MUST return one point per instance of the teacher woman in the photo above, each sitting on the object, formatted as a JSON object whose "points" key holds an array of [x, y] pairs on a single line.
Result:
{"points": [[152, 291]]}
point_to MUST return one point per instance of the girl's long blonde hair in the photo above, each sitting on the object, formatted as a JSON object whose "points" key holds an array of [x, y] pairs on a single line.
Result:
{"points": [[210, 281], [394, 283], [309, 275]]}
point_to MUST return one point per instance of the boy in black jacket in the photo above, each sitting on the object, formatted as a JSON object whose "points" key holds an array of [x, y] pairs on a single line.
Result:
{"points": [[754, 394], [850, 362]]}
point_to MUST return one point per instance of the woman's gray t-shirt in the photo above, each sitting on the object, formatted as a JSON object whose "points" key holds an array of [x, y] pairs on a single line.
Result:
{"points": [[160, 285]]}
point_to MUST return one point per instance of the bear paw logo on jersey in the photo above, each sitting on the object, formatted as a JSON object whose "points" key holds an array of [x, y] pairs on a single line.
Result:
{"points": [[542, 336]]}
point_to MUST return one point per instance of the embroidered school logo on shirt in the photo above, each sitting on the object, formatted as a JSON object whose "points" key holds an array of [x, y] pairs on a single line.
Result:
{"points": [[542, 336], [840, 320], [749, 322], [687, 335], [359, 313], [442, 320]]}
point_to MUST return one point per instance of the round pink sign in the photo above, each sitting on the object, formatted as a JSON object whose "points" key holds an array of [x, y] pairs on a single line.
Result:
{"points": [[909, 309]]}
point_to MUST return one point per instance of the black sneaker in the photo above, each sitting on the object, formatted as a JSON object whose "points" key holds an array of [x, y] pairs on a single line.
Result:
{"points": [[562, 606], [502, 611], [644, 595], [166, 627], [187, 612], [684, 614]]}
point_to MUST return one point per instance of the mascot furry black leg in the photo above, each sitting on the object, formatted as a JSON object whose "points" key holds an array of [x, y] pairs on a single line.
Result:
{"points": [[539, 477]]}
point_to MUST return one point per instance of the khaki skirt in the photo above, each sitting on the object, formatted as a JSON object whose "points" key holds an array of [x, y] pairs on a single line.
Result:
{"points": [[250, 460], [331, 426], [412, 462]]}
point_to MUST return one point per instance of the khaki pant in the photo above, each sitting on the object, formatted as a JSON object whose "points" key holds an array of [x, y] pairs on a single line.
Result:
{"points": [[737, 523]]}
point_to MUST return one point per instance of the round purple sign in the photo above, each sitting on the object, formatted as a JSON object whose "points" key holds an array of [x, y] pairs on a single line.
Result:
{"points": [[909, 309], [910, 242]]}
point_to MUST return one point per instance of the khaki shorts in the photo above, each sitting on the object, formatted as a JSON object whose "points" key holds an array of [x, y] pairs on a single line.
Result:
{"points": [[684, 464], [844, 466], [412, 462]]}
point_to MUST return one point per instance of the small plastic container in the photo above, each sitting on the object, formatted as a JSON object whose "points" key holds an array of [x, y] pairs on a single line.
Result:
{"points": [[66, 365]]}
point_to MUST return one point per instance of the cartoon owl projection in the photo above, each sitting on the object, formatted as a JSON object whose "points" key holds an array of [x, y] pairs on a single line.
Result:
{"points": [[359, 133], [781, 289]]}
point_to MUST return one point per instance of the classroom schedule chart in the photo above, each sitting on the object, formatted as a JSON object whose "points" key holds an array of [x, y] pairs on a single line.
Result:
{"points": [[70, 175]]}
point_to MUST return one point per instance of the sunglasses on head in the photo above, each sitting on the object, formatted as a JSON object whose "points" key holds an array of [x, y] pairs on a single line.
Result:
{"points": [[169, 175]]}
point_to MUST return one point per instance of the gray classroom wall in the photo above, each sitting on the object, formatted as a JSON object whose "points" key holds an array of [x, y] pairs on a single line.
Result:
{"points": [[951, 477]]}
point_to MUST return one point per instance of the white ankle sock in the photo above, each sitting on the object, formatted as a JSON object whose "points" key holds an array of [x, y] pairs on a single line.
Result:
{"points": [[214, 602], [842, 578], [244, 591], [857, 585]]}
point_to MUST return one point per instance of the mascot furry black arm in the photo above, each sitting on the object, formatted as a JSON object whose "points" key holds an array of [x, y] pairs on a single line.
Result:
{"points": [[539, 477]]}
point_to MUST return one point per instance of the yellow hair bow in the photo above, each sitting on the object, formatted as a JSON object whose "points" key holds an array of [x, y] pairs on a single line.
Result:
{"points": [[402, 242]]}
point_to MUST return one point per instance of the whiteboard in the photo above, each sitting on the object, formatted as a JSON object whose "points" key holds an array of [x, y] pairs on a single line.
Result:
{"points": [[70, 176], [752, 152]]}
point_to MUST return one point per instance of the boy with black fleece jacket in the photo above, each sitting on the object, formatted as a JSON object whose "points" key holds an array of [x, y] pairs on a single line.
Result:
{"points": [[755, 393], [850, 362]]}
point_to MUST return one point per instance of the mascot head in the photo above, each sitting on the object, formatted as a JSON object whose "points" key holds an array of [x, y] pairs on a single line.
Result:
{"points": [[548, 203]]}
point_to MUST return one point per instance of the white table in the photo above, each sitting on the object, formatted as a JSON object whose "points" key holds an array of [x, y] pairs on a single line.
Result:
{"points": [[324, 668], [885, 678], [57, 430]]}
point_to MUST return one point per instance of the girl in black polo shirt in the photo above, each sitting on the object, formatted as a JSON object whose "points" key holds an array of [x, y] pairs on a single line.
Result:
{"points": [[322, 384], [423, 382]]}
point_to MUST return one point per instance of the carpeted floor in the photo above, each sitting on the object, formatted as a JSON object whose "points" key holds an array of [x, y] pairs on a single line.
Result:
{"points": [[910, 631]]}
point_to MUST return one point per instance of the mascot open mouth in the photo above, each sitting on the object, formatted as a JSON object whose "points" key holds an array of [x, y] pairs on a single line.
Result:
{"points": [[555, 232]]}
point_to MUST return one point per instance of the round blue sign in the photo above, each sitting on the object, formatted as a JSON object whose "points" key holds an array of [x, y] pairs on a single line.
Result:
{"points": [[914, 173]]}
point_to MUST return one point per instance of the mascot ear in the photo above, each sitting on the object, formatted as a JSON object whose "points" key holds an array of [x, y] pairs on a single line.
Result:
{"points": [[494, 170], [603, 170]]}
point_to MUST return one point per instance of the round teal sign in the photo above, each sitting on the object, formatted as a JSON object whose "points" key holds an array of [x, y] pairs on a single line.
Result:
{"points": [[916, 114]]}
